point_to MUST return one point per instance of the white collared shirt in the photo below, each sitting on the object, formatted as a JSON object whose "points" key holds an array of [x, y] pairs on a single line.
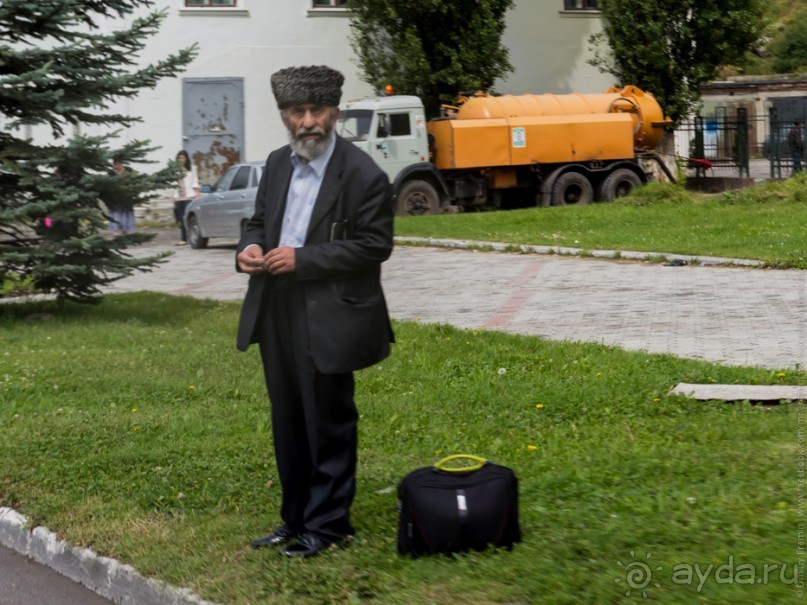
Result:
{"points": [[306, 180]]}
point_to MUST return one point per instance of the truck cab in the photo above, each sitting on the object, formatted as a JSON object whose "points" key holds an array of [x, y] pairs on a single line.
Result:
{"points": [[391, 130]]}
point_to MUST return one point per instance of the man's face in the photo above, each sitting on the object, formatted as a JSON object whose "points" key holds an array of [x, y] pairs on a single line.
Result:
{"points": [[309, 128]]}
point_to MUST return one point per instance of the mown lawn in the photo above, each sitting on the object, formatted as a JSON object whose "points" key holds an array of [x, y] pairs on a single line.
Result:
{"points": [[135, 428]]}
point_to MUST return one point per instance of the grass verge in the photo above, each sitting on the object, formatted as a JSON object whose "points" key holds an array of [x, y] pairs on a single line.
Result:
{"points": [[134, 428], [765, 222]]}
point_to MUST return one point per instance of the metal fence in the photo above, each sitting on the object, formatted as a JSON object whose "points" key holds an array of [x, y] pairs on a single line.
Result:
{"points": [[737, 143]]}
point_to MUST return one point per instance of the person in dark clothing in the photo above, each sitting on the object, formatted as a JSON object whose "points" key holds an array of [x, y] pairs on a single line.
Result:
{"points": [[313, 249], [121, 210]]}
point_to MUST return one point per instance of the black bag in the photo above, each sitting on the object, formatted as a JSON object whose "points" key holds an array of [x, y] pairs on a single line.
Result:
{"points": [[444, 510]]}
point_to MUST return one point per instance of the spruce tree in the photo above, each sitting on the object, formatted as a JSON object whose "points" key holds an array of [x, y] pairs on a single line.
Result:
{"points": [[57, 73]]}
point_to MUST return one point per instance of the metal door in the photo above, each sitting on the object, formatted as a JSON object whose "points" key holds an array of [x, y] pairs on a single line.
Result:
{"points": [[213, 124]]}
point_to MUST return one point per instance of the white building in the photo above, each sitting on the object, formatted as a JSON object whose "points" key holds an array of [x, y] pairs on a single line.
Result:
{"points": [[222, 110]]}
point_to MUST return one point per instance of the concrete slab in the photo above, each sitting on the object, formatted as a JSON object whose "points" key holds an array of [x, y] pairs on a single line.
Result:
{"points": [[741, 392]]}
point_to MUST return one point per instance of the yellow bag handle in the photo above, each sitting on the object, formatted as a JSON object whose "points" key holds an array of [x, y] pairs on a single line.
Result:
{"points": [[478, 463]]}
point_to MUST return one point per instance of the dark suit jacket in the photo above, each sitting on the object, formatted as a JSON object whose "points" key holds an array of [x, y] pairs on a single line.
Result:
{"points": [[349, 236]]}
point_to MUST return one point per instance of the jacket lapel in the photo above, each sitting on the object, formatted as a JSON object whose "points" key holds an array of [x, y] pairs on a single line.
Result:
{"points": [[330, 188], [279, 180]]}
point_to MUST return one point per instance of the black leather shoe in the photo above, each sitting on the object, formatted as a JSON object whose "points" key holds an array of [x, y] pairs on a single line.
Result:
{"points": [[307, 545], [280, 536]]}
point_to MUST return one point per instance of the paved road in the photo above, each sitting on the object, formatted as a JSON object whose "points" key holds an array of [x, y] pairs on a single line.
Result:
{"points": [[730, 315], [735, 316], [23, 582]]}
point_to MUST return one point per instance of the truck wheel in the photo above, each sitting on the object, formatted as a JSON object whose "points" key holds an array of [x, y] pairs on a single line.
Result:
{"points": [[618, 184], [416, 198], [572, 188]]}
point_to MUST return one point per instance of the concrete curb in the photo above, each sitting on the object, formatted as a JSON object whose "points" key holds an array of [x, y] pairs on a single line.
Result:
{"points": [[579, 252], [115, 581]]}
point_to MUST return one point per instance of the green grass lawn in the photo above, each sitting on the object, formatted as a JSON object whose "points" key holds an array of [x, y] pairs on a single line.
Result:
{"points": [[767, 222], [135, 428]]}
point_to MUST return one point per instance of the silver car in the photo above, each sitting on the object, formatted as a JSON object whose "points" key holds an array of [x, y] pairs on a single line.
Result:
{"points": [[224, 211]]}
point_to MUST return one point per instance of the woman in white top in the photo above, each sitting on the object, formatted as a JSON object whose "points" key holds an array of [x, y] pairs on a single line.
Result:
{"points": [[188, 190]]}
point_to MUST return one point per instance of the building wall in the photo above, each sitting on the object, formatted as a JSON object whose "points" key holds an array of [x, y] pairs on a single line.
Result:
{"points": [[249, 43], [548, 49]]}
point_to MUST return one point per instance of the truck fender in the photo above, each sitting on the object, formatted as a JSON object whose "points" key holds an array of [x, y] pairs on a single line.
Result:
{"points": [[632, 166], [426, 172]]}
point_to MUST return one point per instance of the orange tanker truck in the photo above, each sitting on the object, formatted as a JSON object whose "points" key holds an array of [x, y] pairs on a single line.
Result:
{"points": [[507, 151]]}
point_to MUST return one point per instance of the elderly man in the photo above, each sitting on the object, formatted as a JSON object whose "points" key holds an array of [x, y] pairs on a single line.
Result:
{"points": [[313, 250]]}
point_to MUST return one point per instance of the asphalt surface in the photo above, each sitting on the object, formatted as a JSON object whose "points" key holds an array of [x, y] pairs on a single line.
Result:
{"points": [[695, 308], [23, 582]]}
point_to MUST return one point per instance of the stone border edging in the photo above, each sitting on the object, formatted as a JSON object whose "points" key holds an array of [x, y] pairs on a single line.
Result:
{"points": [[567, 251], [118, 582]]}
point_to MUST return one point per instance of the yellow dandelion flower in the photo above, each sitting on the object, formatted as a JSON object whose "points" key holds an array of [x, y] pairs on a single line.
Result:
{"points": [[532, 448], [538, 406], [191, 387], [781, 374], [598, 374], [134, 410]]}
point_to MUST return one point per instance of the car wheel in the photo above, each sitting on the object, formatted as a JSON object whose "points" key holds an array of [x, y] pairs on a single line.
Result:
{"points": [[195, 234]]}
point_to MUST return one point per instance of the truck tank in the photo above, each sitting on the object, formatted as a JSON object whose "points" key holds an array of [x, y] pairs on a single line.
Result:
{"points": [[513, 130]]}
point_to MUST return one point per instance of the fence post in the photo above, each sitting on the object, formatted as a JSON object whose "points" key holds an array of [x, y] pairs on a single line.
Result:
{"points": [[742, 142], [774, 144], [697, 145]]}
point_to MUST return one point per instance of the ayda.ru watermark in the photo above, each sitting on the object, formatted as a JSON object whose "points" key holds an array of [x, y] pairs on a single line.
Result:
{"points": [[644, 576]]}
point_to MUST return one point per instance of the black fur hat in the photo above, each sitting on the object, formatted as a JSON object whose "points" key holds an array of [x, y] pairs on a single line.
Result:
{"points": [[317, 84]]}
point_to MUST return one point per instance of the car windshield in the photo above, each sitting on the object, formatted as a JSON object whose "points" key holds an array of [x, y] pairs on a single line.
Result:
{"points": [[223, 184], [354, 124], [240, 176]]}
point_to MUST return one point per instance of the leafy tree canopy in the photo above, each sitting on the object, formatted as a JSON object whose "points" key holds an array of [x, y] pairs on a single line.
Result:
{"points": [[671, 47], [430, 48], [58, 71]]}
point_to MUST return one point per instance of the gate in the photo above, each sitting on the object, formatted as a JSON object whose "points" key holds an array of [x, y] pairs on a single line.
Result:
{"points": [[787, 141], [213, 124]]}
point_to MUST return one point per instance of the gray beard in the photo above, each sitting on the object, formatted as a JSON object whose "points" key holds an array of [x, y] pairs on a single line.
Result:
{"points": [[308, 150]]}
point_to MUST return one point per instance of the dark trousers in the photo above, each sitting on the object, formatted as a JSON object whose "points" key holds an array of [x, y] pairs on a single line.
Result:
{"points": [[314, 421], [179, 215]]}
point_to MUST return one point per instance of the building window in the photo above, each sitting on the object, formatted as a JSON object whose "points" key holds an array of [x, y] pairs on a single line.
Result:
{"points": [[330, 3], [581, 5], [196, 3]]}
